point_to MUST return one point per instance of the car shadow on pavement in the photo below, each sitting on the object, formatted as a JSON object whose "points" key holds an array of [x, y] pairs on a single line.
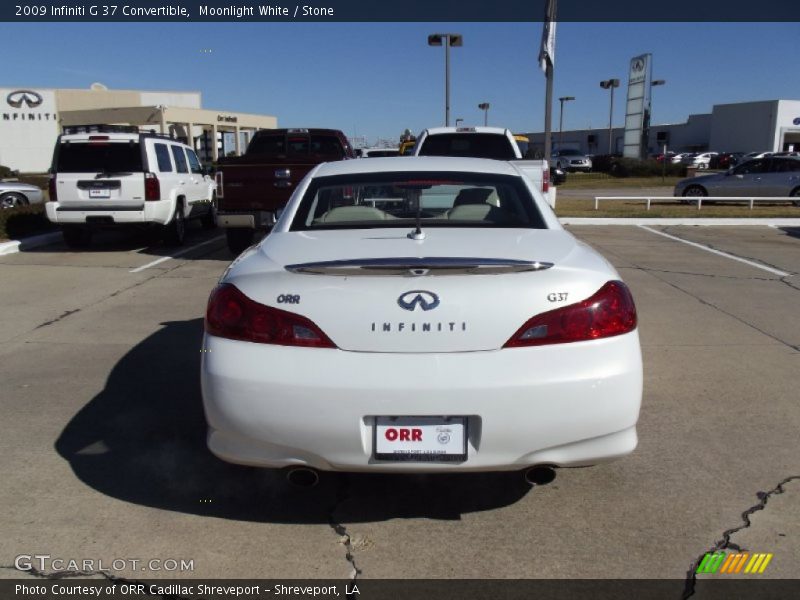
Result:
{"points": [[142, 440], [791, 231]]}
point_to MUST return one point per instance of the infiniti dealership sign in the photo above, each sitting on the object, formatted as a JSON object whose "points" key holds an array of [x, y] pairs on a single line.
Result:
{"points": [[27, 97], [28, 128], [25, 101]]}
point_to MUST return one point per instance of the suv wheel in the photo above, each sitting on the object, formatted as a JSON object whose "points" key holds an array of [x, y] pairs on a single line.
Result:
{"points": [[796, 194], [239, 239], [209, 220], [76, 236], [175, 230]]}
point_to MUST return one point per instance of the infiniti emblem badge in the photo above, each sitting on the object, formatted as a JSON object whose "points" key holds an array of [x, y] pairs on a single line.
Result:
{"points": [[422, 298], [27, 97]]}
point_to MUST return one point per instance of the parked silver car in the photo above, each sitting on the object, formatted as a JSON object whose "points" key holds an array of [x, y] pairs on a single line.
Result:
{"points": [[768, 176], [16, 193], [571, 160]]}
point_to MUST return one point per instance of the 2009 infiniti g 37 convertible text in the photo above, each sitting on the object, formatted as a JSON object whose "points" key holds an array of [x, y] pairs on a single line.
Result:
{"points": [[420, 314]]}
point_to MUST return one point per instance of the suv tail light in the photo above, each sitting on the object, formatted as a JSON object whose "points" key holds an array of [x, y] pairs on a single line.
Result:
{"points": [[234, 316], [218, 182], [52, 190], [545, 180], [609, 312], [152, 188]]}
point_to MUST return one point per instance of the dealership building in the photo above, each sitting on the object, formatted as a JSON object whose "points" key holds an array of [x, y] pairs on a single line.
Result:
{"points": [[764, 126], [32, 118]]}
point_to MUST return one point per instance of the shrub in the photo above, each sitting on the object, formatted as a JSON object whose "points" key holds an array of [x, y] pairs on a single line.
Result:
{"points": [[19, 222], [619, 166]]}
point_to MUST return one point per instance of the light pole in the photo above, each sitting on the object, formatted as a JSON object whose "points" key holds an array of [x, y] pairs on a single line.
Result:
{"points": [[610, 84], [484, 106], [561, 119], [447, 40]]}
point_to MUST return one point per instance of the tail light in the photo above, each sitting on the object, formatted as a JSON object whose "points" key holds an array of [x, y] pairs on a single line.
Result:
{"points": [[233, 315], [152, 188], [218, 181], [609, 312], [545, 180], [52, 189]]}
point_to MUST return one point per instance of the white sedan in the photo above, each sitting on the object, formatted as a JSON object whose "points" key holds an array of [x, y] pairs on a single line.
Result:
{"points": [[420, 314], [14, 194]]}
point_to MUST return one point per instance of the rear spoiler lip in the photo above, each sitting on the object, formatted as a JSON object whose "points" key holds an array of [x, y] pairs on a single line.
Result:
{"points": [[416, 266]]}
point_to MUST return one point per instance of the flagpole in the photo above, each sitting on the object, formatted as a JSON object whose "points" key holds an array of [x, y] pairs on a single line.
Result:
{"points": [[550, 17]]}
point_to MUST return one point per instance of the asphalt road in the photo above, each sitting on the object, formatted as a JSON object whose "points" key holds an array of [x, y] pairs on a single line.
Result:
{"points": [[103, 453]]}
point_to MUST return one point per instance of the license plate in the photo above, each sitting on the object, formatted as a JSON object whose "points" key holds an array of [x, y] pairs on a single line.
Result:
{"points": [[420, 439], [99, 193]]}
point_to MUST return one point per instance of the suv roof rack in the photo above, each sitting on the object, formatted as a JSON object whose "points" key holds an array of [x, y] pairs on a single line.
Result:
{"points": [[100, 128]]}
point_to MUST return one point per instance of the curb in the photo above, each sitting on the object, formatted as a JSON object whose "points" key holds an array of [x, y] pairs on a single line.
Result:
{"points": [[28, 243]]}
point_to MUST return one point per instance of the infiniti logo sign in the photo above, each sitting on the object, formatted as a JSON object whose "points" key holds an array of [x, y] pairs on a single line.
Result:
{"points": [[422, 298], [27, 97]]}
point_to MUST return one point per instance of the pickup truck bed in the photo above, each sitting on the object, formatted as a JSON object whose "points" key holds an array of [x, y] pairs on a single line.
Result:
{"points": [[253, 187]]}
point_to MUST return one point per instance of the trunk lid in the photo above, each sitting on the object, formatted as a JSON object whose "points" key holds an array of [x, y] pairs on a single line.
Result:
{"points": [[456, 303]]}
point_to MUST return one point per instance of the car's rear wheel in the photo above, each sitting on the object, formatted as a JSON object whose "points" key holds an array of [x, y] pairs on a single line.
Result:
{"points": [[77, 236], [175, 230], [796, 194], [13, 200], [209, 220], [239, 239]]}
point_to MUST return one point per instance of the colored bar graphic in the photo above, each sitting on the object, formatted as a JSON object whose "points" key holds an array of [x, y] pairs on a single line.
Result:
{"points": [[733, 563]]}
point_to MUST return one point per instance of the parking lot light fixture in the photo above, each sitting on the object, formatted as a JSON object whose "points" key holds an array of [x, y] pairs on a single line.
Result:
{"points": [[447, 40], [610, 84], [561, 119]]}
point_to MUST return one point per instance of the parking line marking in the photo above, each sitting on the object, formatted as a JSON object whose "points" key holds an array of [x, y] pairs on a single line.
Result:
{"points": [[719, 252], [158, 261]]}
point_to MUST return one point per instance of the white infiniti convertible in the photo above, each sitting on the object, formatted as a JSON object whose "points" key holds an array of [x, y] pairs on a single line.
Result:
{"points": [[420, 314]]}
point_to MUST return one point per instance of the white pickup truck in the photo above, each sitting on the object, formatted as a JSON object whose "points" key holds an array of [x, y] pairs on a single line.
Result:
{"points": [[485, 142]]}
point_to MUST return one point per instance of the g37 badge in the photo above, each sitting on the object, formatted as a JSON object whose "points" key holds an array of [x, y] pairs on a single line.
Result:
{"points": [[557, 296]]}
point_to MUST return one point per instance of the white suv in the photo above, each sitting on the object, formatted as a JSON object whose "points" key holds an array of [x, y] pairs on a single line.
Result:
{"points": [[110, 176]]}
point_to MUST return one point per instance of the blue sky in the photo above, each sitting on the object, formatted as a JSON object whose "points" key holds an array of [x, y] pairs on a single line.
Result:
{"points": [[376, 79]]}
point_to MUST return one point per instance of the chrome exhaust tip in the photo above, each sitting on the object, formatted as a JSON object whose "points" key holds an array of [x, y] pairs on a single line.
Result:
{"points": [[303, 477], [539, 475]]}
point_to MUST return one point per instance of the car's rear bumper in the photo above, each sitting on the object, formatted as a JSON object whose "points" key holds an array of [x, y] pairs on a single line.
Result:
{"points": [[567, 405], [159, 211]]}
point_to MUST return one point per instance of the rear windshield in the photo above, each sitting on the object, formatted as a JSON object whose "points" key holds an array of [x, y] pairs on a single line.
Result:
{"points": [[99, 157], [438, 199], [296, 144], [477, 145]]}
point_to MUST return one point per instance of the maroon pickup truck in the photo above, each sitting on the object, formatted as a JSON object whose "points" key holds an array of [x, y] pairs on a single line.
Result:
{"points": [[251, 188]]}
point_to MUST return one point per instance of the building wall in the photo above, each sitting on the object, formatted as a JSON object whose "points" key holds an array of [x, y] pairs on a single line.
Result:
{"points": [[173, 99], [788, 129], [744, 127], [692, 135], [27, 133]]}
